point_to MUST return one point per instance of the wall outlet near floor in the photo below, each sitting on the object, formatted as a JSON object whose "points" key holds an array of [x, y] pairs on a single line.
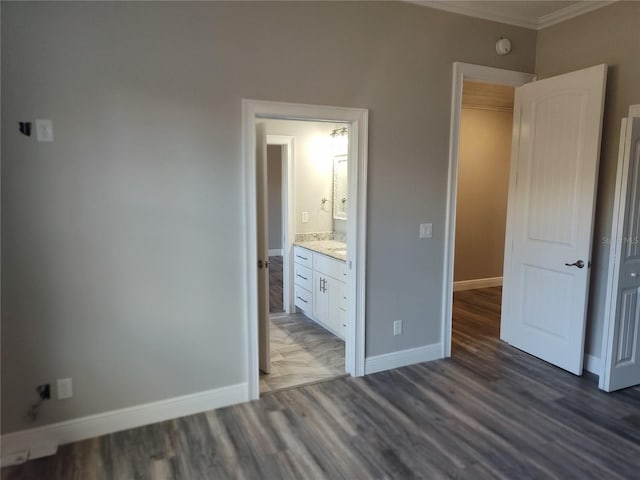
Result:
{"points": [[397, 327], [65, 388]]}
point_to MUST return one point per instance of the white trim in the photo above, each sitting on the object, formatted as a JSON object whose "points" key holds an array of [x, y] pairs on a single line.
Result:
{"points": [[569, 12], [287, 143], [402, 358], [275, 252], [462, 72], [592, 364], [41, 441], [634, 111], [534, 23], [357, 118], [477, 283]]}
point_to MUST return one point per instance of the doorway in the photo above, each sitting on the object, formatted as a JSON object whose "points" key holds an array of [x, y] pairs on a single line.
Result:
{"points": [[486, 119], [356, 120], [304, 345], [485, 80]]}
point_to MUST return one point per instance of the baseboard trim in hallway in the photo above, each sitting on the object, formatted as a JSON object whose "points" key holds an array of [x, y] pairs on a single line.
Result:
{"points": [[42, 441], [402, 358]]}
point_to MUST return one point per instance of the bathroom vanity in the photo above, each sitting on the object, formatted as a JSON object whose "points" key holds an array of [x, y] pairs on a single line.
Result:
{"points": [[320, 283]]}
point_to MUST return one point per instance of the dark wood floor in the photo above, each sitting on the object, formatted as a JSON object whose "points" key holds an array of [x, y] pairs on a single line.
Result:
{"points": [[276, 303], [490, 411]]}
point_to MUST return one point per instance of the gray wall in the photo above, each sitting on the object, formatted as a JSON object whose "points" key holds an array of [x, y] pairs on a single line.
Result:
{"points": [[274, 195], [123, 240], [483, 188], [608, 35]]}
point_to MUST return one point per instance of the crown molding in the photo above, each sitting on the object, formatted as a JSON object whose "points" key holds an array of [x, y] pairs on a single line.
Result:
{"points": [[538, 23], [571, 11]]}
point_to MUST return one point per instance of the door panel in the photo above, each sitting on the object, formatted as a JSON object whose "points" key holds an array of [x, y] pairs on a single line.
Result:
{"points": [[621, 362], [555, 152], [263, 249]]}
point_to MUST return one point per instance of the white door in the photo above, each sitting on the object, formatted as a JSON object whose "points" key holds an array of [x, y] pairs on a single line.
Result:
{"points": [[554, 166], [621, 367], [263, 248]]}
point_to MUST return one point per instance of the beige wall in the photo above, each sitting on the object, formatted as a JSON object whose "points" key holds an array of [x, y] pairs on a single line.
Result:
{"points": [[123, 260], [483, 184], [274, 194], [608, 35]]}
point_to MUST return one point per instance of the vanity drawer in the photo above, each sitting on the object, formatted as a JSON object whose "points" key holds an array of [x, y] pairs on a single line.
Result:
{"points": [[303, 276], [329, 266], [303, 256], [303, 300]]}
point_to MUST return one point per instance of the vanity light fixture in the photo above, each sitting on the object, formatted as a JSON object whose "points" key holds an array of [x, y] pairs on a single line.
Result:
{"points": [[339, 132]]}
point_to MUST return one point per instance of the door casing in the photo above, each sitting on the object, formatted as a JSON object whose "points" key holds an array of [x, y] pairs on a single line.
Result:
{"points": [[462, 72], [357, 118]]}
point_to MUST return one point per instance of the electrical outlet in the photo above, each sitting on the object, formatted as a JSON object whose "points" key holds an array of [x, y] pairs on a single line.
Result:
{"points": [[305, 217], [44, 130], [426, 230], [65, 388], [397, 327]]}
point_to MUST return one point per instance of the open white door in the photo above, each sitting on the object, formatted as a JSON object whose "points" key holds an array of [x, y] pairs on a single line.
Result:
{"points": [[263, 248], [621, 366], [554, 166]]}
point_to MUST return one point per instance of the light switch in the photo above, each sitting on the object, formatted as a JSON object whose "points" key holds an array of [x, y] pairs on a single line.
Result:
{"points": [[44, 130], [305, 217], [426, 230]]}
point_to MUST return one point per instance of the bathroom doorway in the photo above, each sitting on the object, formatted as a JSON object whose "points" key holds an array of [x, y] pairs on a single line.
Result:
{"points": [[346, 276], [306, 342]]}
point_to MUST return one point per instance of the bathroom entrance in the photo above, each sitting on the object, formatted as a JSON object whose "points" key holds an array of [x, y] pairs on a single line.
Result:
{"points": [[306, 338], [318, 154]]}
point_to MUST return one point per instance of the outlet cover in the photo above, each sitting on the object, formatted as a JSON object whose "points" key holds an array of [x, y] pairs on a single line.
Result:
{"points": [[426, 230], [305, 217], [65, 388], [397, 327]]}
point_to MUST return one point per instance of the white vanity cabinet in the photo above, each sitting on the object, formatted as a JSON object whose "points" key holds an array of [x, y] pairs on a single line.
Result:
{"points": [[320, 291]]}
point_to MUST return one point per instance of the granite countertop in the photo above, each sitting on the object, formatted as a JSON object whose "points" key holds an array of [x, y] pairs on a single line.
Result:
{"points": [[331, 248]]}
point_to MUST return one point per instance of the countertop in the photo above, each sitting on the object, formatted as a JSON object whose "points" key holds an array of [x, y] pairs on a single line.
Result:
{"points": [[331, 248]]}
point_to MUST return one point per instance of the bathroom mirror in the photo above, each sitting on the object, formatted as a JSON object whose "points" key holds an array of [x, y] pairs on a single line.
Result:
{"points": [[340, 187]]}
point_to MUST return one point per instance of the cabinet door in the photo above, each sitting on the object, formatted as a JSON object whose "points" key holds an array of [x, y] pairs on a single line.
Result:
{"points": [[321, 298]]}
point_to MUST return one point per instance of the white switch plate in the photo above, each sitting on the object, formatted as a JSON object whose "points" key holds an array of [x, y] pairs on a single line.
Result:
{"points": [[305, 217], [426, 230], [44, 130], [397, 327], [65, 388]]}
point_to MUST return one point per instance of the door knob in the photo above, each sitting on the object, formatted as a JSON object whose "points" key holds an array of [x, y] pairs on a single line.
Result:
{"points": [[579, 264], [634, 275]]}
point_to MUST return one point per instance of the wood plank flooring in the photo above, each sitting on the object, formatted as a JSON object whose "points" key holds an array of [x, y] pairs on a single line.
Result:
{"points": [[301, 352], [490, 411], [276, 303]]}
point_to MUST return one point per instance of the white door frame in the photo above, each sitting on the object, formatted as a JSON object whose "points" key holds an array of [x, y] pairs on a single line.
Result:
{"points": [[288, 213], [462, 72], [357, 118]]}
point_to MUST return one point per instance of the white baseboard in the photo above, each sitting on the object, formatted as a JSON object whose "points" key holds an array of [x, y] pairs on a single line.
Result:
{"points": [[592, 364], [402, 358], [36, 442], [275, 252], [477, 283]]}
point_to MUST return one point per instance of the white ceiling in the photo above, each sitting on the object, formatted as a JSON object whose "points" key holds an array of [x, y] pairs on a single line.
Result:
{"points": [[529, 14]]}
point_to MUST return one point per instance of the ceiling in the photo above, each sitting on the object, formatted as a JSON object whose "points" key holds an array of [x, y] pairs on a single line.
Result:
{"points": [[529, 14]]}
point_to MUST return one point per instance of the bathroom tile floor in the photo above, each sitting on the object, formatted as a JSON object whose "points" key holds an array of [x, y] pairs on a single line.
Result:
{"points": [[302, 352]]}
